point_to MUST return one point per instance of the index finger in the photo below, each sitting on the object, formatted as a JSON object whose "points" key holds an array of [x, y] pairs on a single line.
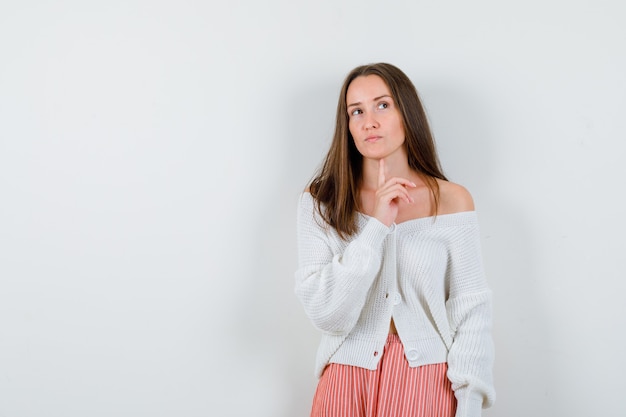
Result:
{"points": [[381, 172]]}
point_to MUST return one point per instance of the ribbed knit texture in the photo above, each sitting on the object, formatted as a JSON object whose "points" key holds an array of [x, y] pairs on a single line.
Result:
{"points": [[426, 273]]}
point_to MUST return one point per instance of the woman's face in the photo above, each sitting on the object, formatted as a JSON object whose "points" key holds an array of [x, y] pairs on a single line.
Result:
{"points": [[374, 120]]}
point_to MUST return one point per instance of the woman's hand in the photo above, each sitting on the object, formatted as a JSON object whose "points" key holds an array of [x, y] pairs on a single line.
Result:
{"points": [[389, 194]]}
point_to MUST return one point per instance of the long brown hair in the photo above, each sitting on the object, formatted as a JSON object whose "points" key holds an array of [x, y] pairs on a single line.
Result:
{"points": [[335, 187]]}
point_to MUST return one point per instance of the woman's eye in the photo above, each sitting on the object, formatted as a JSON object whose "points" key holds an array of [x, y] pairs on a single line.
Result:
{"points": [[356, 112], [383, 105]]}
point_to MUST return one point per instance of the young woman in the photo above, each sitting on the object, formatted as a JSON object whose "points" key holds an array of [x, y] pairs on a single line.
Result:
{"points": [[390, 267]]}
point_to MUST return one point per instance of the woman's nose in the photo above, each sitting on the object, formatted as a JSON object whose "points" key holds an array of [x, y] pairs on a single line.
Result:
{"points": [[371, 122]]}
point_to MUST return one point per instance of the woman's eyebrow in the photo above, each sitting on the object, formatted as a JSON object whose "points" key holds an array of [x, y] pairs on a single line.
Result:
{"points": [[375, 99]]}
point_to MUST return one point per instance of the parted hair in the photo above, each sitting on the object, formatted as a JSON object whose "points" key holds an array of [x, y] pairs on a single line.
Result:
{"points": [[335, 187]]}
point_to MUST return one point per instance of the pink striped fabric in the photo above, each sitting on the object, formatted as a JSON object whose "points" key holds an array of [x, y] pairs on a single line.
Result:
{"points": [[393, 390]]}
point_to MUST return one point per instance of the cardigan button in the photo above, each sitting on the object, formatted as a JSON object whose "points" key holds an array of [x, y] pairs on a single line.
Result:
{"points": [[412, 354], [396, 299]]}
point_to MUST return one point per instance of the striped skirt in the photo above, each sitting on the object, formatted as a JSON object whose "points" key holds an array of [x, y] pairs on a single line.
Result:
{"points": [[392, 390]]}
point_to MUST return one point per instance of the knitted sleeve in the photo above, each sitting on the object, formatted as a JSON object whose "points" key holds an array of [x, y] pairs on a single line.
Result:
{"points": [[470, 359], [332, 279]]}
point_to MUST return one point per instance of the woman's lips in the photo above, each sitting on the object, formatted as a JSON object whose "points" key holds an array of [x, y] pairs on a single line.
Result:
{"points": [[372, 138]]}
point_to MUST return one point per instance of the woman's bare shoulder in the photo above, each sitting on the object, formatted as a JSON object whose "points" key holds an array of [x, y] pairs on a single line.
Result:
{"points": [[454, 198]]}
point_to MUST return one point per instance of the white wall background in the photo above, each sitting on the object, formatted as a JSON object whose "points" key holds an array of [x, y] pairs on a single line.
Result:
{"points": [[152, 152]]}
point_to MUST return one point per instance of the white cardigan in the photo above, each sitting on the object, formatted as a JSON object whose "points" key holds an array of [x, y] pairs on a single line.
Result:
{"points": [[426, 274]]}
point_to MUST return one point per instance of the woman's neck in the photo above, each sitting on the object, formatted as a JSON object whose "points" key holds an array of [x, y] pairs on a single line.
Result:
{"points": [[395, 166]]}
